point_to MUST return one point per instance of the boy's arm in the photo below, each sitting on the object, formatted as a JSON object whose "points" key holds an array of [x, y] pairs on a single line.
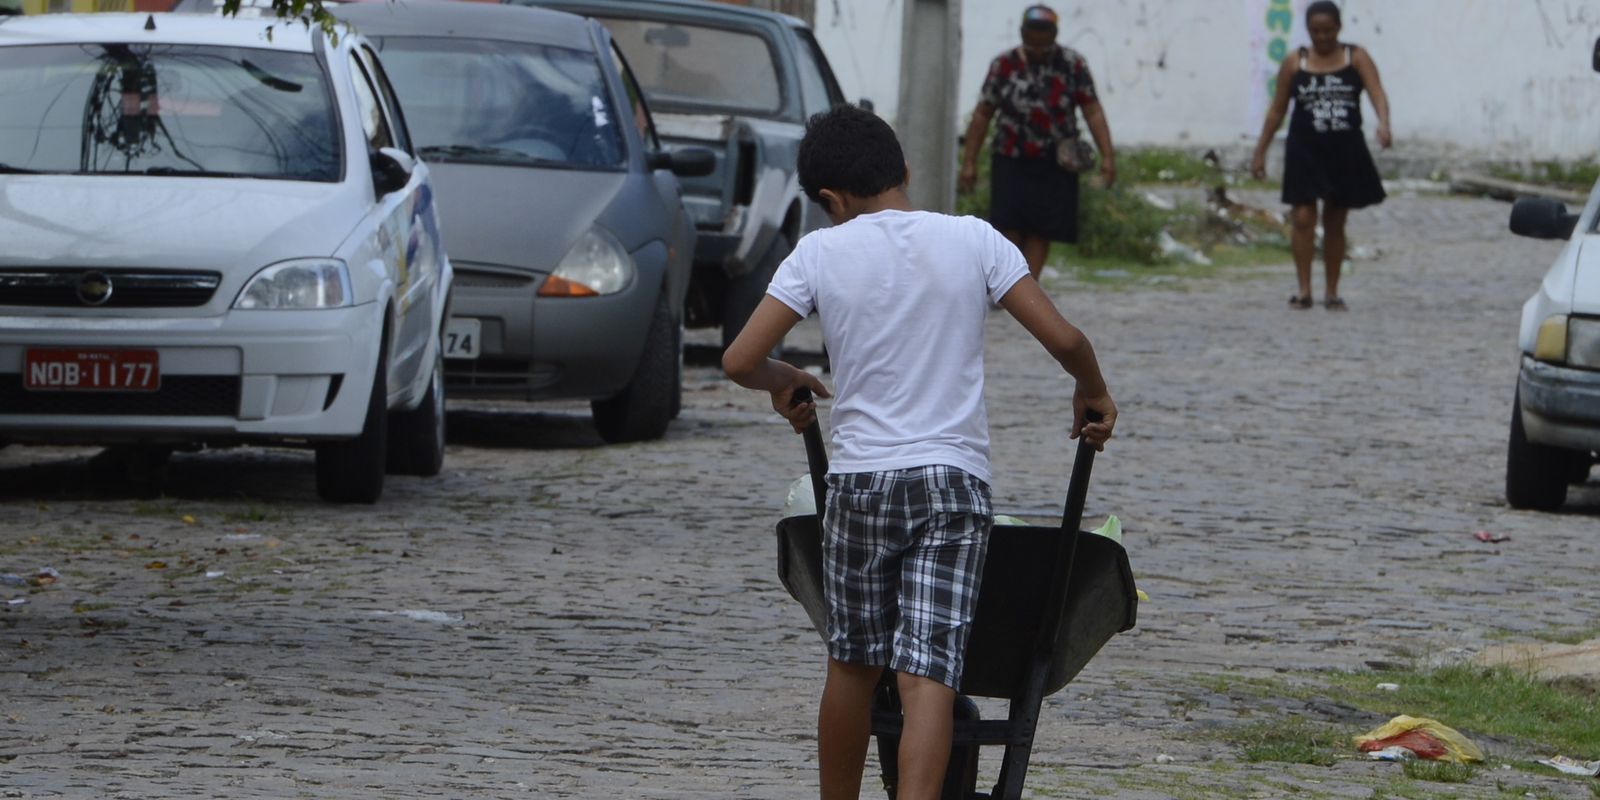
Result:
{"points": [[746, 362], [1032, 307]]}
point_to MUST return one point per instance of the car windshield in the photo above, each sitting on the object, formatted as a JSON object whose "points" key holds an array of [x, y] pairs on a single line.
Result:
{"points": [[165, 109], [513, 103], [699, 67]]}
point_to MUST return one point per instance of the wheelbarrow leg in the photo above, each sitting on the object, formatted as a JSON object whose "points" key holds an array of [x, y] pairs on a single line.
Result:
{"points": [[961, 772], [1024, 721]]}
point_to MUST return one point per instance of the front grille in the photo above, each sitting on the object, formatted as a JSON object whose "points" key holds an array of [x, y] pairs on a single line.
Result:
{"points": [[483, 279], [129, 288], [179, 396], [492, 374]]}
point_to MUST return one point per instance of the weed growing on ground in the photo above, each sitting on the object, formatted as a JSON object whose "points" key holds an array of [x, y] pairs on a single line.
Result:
{"points": [[1438, 771], [1293, 740]]}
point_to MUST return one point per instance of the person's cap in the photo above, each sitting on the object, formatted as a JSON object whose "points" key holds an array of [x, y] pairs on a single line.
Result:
{"points": [[1039, 18]]}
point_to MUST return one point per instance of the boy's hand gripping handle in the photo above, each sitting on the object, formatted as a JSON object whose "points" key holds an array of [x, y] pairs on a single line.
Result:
{"points": [[817, 456]]}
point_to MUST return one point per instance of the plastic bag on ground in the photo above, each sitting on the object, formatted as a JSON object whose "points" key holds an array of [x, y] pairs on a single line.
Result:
{"points": [[1450, 744]]}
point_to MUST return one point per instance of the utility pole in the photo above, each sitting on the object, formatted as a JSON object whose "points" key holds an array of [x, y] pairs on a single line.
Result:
{"points": [[930, 62]]}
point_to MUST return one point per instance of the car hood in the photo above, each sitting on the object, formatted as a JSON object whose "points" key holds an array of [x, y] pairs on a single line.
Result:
{"points": [[161, 221], [1586, 278], [521, 217]]}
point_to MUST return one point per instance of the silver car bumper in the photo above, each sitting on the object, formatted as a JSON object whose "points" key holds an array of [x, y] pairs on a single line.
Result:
{"points": [[239, 376], [1560, 405]]}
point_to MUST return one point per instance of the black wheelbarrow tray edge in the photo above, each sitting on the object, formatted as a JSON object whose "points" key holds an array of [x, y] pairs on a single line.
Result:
{"points": [[1100, 601]]}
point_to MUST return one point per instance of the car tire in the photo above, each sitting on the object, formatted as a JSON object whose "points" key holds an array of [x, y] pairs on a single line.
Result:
{"points": [[677, 381], [1536, 474], [744, 293], [642, 410], [417, 437], [351, 471]]}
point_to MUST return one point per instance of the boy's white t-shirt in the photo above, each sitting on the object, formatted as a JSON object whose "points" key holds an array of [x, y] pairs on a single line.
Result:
{"points": [[902, 296]]}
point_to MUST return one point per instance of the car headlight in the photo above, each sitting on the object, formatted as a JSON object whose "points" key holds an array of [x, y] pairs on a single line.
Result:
{"points": [[1583, 342], [596, 265], [301, 284], [1551, 345]]}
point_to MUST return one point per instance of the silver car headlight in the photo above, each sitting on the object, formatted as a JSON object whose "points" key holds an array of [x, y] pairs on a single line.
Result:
{"points": [[300, 284], [597, 264], [1583, 342]]}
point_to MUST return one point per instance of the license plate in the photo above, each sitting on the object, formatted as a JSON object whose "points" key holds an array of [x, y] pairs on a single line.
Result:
{"points": [[62, 369], [463, 338]]}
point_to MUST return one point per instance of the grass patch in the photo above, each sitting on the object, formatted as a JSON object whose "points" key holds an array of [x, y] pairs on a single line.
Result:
{"points": [[249, 514], [1499, 702], [1168, 165], [1569, 635], [1439, 771], [1576, 175], [1293, 740]]}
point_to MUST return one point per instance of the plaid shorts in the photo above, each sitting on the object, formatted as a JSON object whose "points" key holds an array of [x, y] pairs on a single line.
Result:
{"points": [[902, 556]]}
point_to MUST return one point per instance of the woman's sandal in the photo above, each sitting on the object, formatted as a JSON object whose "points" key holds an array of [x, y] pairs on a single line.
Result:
{"points": [[1335, 304], [1297, 301]]}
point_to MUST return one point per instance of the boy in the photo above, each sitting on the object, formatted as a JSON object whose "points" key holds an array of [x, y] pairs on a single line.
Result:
{"points": [[902, 296]]}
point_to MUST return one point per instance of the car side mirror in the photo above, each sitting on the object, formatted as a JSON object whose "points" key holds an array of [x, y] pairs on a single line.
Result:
{"points": [[1595, 60], [1542, 218], [391, 170], [686, 162], [867, 105]]}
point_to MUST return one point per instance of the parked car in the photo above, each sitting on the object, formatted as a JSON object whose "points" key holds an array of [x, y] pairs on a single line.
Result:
{"points": [[210, 236], [561, 209], [1555, 416], [742, 82]]}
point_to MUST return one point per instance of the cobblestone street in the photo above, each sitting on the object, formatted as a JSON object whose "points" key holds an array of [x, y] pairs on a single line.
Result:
{"points": [[556, 617]]}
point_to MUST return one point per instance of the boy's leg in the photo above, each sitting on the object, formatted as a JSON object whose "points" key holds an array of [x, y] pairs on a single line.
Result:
{"points": [[929, 707], [938, 595], [862, 542], [844, 727]]}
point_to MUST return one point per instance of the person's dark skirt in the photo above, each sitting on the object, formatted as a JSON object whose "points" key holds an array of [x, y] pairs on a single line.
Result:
{"points": [[1033, 195], [1335, 168]]}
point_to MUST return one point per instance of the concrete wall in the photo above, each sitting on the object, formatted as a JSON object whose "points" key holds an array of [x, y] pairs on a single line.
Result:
{"points": [[1472, 79]]}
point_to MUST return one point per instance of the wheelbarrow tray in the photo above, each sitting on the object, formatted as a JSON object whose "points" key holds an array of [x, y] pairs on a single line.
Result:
{"points": [[1100, 601]]}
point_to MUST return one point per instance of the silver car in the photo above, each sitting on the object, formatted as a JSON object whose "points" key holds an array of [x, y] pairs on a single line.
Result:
{"points": [[561, 209], [210, 236]]}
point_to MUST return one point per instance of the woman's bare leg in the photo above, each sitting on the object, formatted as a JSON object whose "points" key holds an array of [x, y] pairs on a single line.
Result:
{"points": [[1035, 249], [1333, 245], [1303, 242]]}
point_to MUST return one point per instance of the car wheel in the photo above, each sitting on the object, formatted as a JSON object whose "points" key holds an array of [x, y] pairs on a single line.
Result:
{"points": [[1579, 473], [1536, 474], [416, 437], [744, 293], [351, 471], [643, 408]]}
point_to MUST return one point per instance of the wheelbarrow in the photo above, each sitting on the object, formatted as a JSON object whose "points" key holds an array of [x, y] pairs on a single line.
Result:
{"points": [[1050, 598]]}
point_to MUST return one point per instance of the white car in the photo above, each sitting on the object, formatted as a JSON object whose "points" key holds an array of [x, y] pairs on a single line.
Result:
{"points": [[1555, 418], [212, 235]]}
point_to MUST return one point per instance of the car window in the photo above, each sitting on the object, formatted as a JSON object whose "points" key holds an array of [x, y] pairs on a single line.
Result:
{"points": [[814, 68], [498, 102], [391, 103], [681, 65], [641, 112], [373, 123], [167, 109]]}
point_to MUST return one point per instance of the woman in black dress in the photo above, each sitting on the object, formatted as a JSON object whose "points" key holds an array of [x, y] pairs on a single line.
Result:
{"points": [[1326, 157]]}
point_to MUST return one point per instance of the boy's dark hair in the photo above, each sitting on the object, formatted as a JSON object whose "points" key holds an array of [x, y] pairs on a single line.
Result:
{"points": [[849, 149], [1323, 7]]}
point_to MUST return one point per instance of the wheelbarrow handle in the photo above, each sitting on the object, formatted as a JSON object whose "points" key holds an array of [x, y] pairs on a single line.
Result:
{"points": [[1078, 484], [816, 454]]}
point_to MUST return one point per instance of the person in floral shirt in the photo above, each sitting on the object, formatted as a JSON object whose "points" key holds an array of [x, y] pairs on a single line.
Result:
{"points": [[1033, 93]]}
